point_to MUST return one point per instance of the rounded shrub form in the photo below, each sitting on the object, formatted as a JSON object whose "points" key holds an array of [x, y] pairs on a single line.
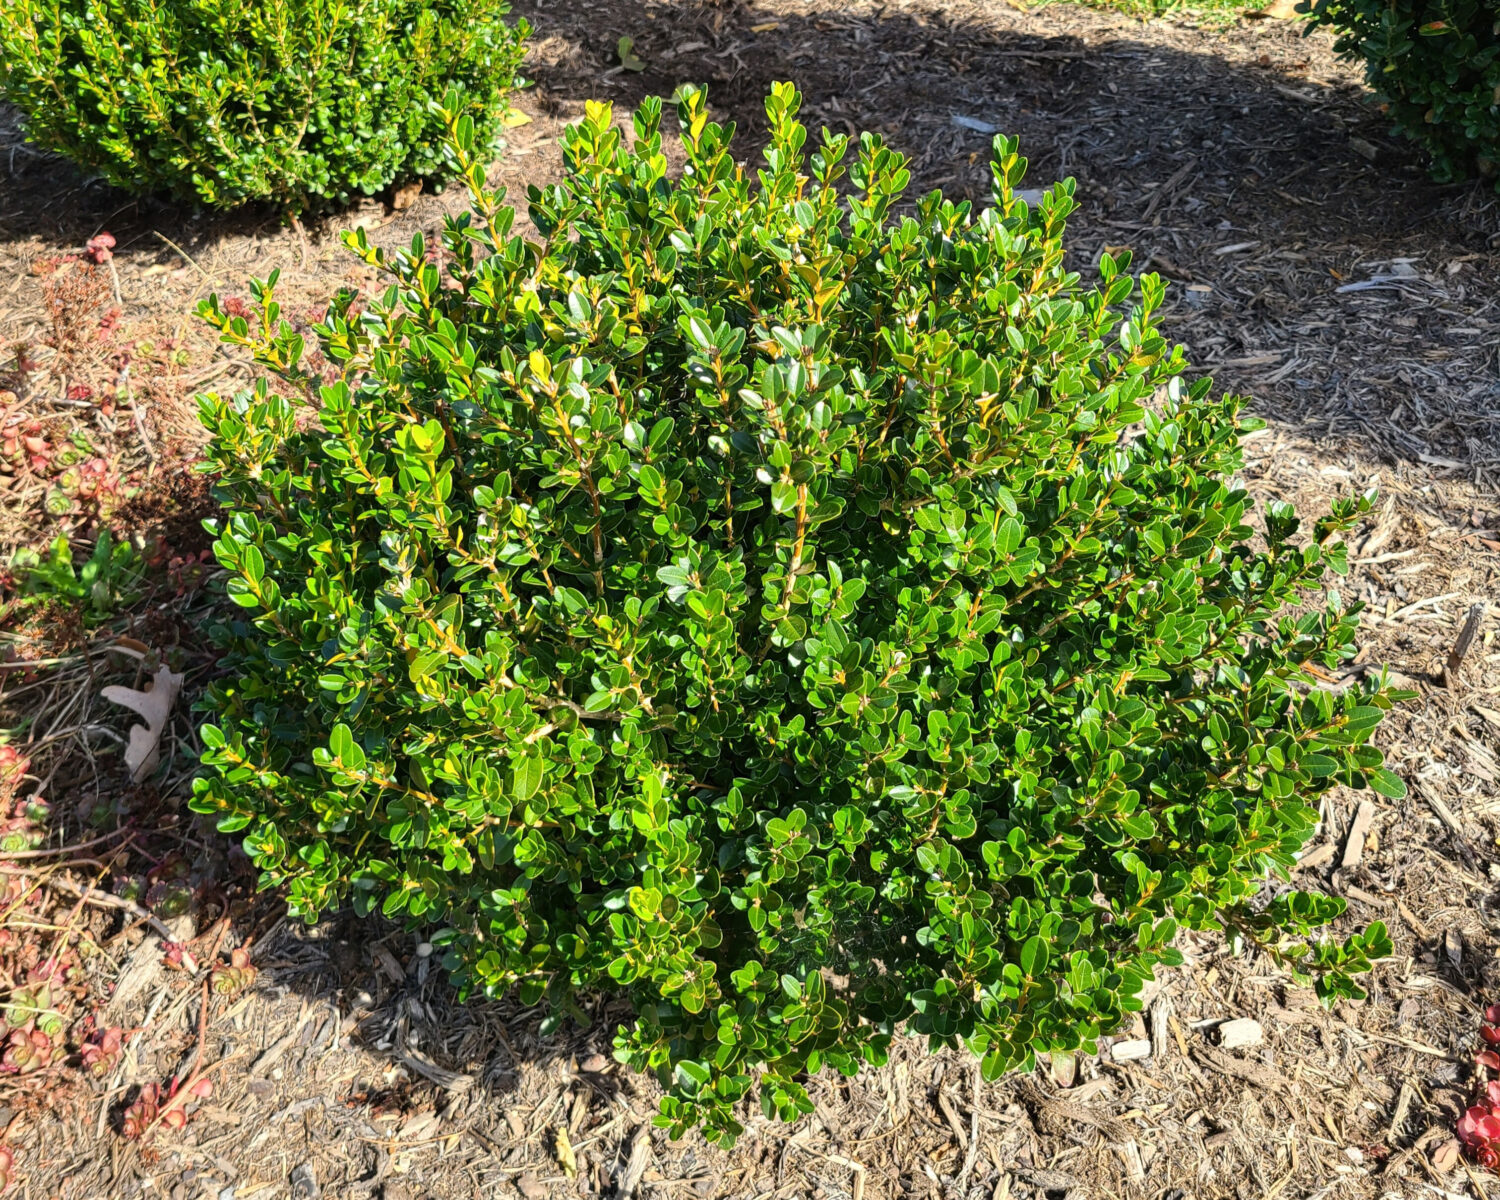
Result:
{"points": [[304, 103], [1436, 64], [807, 620]]}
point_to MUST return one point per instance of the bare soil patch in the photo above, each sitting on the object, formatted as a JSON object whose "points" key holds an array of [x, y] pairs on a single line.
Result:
{"points": [[1314, 268]]}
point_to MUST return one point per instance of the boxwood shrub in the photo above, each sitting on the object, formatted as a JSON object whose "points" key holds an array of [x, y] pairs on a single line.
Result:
{"points": [[808, 617], [1436, 64], [304, 103]]}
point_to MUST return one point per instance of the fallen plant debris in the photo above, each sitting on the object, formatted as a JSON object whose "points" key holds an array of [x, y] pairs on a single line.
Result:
{"points": [[154, 706]]}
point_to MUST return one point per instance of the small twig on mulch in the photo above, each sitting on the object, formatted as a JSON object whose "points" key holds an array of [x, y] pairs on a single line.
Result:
{"points": [[1239, 1068], [105, 900], [54, 851], [1068, 1111], [1461, 646]]}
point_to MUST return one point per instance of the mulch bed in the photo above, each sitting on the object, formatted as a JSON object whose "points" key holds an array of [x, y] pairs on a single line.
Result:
{"points": [[1314, 268]]}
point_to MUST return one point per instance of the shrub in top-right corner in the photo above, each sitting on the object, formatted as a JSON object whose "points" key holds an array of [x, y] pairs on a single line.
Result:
{"points": [[803, 617], [1436, 64]]}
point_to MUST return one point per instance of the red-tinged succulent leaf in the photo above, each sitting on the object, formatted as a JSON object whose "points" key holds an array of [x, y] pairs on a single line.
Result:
{"points": [[141, 1114], [26, 1050], [1488, 1058], [203, 1089], [1479, 1126], [100, 1054]]}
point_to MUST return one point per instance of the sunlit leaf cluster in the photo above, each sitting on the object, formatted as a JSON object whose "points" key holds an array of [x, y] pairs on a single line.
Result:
{"points": [[805, 615]]}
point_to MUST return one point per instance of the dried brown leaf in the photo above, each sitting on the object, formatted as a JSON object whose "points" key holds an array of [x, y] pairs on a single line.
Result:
{"points": [[154, 707]]}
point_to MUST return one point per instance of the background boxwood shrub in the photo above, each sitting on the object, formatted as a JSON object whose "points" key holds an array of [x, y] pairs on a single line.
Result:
{"points": [[301, 102], [803, 618], [1436, 64]]}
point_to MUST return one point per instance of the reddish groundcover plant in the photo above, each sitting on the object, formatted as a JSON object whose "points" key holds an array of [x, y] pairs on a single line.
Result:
{"points": [[101, 246], [1479, 1127], [167, 1106]]}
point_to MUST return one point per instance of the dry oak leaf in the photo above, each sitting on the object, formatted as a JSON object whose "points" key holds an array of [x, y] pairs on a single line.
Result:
{"points": [[154, 706], [1445, 1157]]}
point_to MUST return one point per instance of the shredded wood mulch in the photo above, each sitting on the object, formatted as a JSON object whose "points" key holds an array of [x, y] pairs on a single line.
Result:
{"points": [[1314, 269]]}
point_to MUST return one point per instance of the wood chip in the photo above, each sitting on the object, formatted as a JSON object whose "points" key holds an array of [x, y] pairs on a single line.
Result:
{"points": [[1489, 714], [1131, 1050], [272, 1053], [950, 1112], [142, 970], [1089, 1089], [1240, 1068], [1161, 1012], [1130, 1155], [1403, 1103], [1240, 1034], [1461, 645], [1048, 1181], [1445, 814], [451, 1081], [1317, 856], [1359, 829], [388, 964]]}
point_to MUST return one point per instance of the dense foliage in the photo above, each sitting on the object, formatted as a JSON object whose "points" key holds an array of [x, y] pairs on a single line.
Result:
{"points": [[1436, 64], [301, 102], [805, 619]]}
